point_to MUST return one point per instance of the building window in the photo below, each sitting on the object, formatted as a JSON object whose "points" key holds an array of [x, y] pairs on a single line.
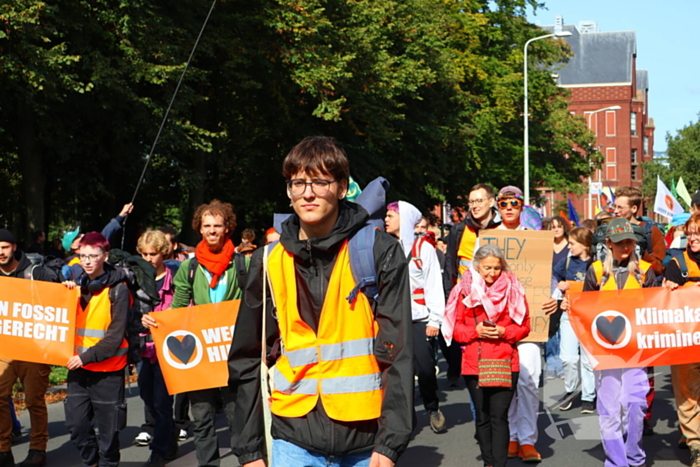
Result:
{"points": [[633, 123], [610, 123], [611, 172], [633, 173], [646, 145], [633, 156], [610, 155]]}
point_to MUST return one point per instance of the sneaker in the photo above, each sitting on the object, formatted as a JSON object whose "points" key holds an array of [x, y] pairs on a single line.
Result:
{"points": [[437, 421], [529, 454], [183, 435], [35, 458], [694, 456], [156, 460], [6, 459], [587, 407], [513, 449], [567, 401], [143, 439]]}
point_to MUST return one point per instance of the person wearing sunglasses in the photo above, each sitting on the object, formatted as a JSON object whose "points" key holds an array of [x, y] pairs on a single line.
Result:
{"points": [[522, 414]]}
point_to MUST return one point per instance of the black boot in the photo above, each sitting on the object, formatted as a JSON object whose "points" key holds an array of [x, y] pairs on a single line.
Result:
{"points": [[35, 458], [6, 459]]}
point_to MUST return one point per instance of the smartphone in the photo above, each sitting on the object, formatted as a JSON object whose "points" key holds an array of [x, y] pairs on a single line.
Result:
{"points": [[489, 323]]}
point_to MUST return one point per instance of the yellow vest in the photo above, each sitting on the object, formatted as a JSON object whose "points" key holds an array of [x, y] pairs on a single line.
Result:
{"points": [[337, 363], [465, 252], [91, 326], [610, 284]]}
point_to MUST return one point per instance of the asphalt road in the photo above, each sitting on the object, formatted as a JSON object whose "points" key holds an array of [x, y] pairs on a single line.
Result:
{"points": [[565, 438]]}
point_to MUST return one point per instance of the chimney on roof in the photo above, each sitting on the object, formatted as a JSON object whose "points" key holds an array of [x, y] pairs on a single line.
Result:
{"points": [[558, 24], [587, 26]]}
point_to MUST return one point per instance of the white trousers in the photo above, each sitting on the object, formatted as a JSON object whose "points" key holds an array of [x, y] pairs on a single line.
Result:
{"points": [[522, 414]]}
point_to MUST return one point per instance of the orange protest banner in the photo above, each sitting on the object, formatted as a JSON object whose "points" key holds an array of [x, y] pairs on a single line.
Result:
{"points": [[192, 345], [529, 255], [37, 321], [638, 327], [574, 286]]}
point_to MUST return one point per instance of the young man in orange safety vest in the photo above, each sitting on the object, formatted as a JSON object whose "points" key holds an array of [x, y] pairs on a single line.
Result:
{"points": [[343, 374]]}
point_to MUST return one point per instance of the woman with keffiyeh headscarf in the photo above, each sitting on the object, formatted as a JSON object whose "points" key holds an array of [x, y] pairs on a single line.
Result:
{"points": [[488, 313]]}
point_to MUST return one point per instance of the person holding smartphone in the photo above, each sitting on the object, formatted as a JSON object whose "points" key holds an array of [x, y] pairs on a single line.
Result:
{"points": [[487, 312]]}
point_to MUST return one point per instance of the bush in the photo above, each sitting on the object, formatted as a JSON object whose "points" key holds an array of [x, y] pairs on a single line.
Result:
{"points": [[58, 375]]}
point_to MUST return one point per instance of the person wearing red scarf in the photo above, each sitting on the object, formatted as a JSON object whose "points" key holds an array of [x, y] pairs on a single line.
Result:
{"points": [[215, 280]]}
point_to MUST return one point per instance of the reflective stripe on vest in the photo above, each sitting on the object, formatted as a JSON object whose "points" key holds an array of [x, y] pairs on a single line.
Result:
{"points": [[611, 284], [418, 296], [91, 326], [465, 252], [337, 363]]}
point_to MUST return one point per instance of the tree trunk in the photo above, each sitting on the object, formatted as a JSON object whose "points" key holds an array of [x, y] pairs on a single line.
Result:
{"points": [[32, 174]]}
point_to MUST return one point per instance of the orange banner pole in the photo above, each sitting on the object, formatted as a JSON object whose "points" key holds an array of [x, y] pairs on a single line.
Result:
{"points": [[37, 321], [192, 345], [638, 327]]}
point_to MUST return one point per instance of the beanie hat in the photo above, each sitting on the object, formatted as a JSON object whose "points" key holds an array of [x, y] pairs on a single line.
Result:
{"points": [[68, 239], [6, 236]]}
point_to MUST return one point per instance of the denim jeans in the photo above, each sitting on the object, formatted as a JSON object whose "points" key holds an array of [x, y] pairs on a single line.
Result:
{"points": [[160, 405], [551, 355], [571, 354], [286, 454]]}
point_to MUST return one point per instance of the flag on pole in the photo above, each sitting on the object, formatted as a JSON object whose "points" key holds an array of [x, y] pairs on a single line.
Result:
{"points": [[612, 194], [665, 204], [683, 192], [573, 215]]}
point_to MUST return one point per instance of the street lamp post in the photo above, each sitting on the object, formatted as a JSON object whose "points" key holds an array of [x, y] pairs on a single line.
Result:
{"points": [[590, 176], [526, 142]]}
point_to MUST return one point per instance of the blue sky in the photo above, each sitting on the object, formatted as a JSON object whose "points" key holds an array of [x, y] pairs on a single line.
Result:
{"points": [[667, 46]]}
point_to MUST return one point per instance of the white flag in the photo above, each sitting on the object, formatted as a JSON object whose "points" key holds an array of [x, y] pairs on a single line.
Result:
{"points": [[665, 204]]}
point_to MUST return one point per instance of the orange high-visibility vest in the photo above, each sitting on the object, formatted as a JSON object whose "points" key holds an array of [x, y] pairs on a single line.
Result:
{"points": [[693, 269], [465, 253], [337, 363], [91, 326], [610, 284]]}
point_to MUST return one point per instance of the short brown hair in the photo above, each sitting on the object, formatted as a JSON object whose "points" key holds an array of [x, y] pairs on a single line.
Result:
{"points": [[694, 219], [486, 187], [248, 234], [633, 194], [316, 155], [215, 208], [154, 238]]}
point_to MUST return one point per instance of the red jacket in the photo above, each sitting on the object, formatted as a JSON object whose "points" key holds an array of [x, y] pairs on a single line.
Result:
{"points": [[465, 333]]}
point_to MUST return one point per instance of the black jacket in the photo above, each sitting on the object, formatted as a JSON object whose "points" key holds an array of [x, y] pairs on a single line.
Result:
{"points": [[314, 260], [38, 273], [453, 240]]}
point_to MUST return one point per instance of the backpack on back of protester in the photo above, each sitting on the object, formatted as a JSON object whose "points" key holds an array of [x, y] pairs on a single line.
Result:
{"points": [[641, 232]]}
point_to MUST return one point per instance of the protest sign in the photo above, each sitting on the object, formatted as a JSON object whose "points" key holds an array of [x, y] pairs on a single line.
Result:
{"points": [[37, 321], [529, 255], [192, 345], [637, 327]]}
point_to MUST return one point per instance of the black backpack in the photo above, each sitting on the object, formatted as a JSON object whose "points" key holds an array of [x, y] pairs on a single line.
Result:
{"points": [[642, 232]]}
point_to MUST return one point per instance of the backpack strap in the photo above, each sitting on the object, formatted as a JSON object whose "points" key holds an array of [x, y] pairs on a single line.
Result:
{"points": [[361, 246], [192, 270], [647, 232], [241, 271], [598, 269], [28, 272]]}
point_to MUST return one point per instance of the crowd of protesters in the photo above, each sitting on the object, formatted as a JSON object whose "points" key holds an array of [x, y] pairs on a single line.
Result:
{"points": [[348, 349]]}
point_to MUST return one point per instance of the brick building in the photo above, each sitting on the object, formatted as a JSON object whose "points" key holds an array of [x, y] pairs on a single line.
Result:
{"points": [[603, 73]]}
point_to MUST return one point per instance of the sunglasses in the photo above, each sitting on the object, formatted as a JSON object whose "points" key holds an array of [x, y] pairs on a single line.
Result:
{"points": [[512, 202]]}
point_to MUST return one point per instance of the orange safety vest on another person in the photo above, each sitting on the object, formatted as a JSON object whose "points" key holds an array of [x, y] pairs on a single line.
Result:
{"points": [[693, 269], [336, 363], [465, 252], [610, 284], [91, 326]]}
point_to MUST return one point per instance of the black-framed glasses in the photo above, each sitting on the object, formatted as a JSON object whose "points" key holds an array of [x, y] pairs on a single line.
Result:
{"points": [[512, 202], [91, 258], [319, 186], [472, 202]]}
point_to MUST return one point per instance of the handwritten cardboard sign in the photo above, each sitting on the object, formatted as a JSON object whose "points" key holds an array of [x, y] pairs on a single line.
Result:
{"points": [[529, 255], [37, 321], [192, 345]]}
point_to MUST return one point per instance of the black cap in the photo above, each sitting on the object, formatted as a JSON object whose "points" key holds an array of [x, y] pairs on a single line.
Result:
{"points": [[695, 201], [6, 236]]}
